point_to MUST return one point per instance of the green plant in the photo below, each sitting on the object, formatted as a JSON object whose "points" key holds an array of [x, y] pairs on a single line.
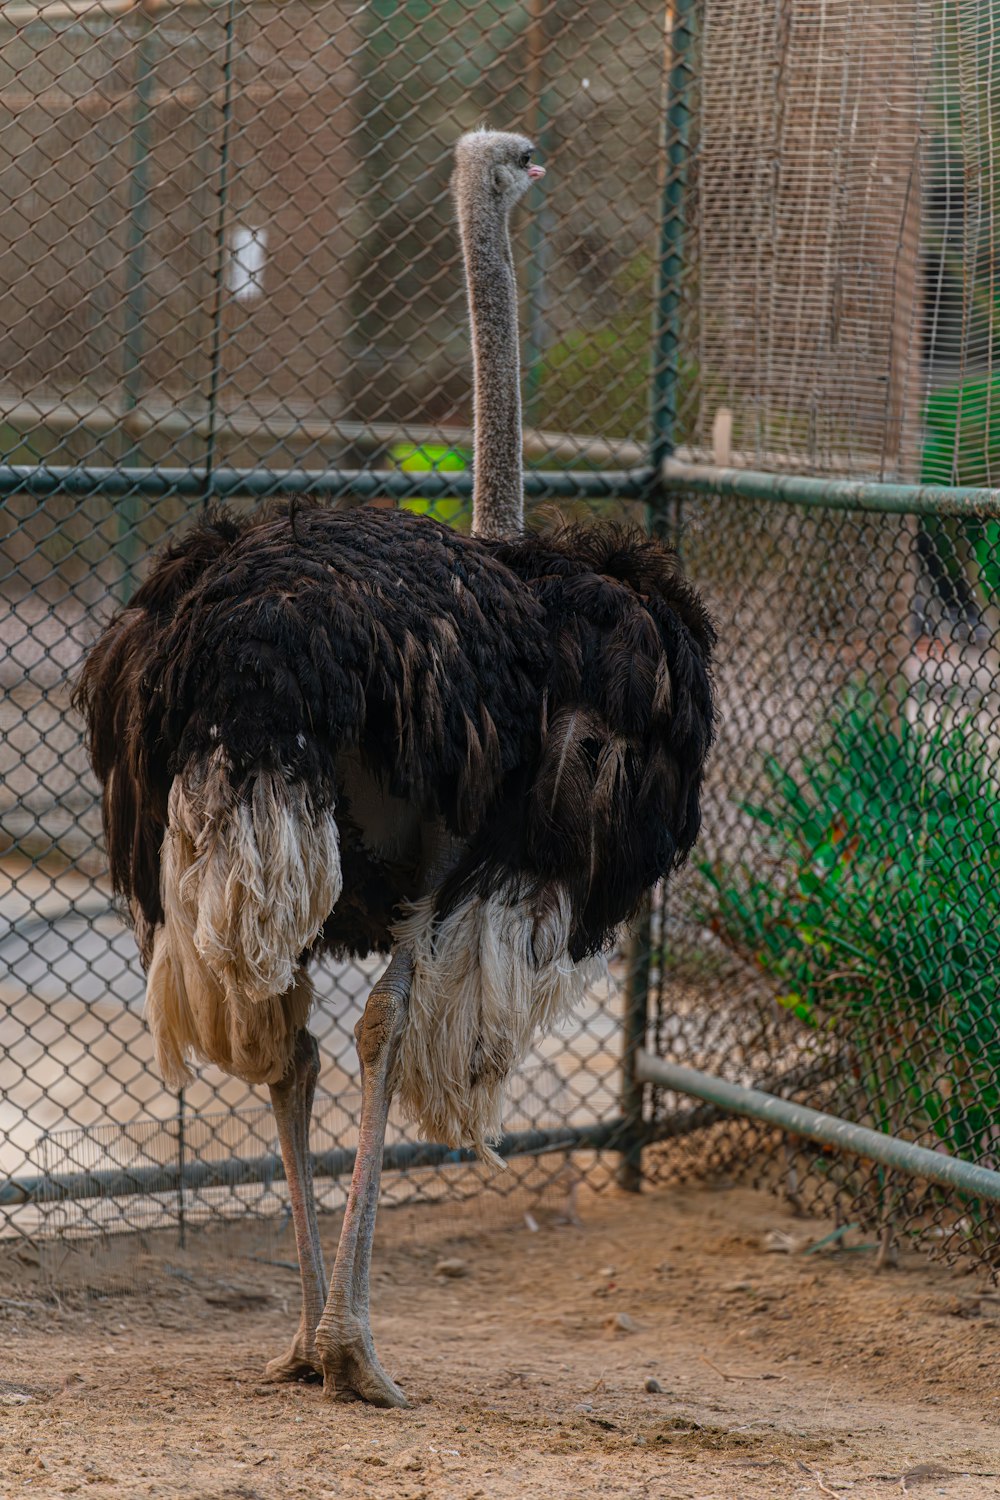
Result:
{"points": [[430, 458], [962, 446], [962, 433], [873, 906]]}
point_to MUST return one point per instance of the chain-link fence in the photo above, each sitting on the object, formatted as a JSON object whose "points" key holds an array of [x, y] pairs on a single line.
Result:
{"points": [[834, 942], [229, 268], [229, 249]]}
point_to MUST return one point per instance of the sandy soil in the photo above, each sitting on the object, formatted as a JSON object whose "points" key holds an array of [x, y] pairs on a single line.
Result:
{"points": [[783, 1373]]}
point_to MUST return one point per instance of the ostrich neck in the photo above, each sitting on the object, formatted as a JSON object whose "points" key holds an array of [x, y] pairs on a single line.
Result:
{"points": [[498, 492]]}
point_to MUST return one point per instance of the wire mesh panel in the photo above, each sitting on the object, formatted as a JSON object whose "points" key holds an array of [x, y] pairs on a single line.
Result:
{"points": [[840, 312], [229, 241], [839, 319]]}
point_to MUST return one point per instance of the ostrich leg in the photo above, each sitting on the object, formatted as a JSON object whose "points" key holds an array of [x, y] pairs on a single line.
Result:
{"points": [[291, 1101], [344, 1345]]}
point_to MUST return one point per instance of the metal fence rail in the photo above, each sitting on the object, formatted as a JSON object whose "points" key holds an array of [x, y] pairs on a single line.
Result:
{"points": [[760, 314]]}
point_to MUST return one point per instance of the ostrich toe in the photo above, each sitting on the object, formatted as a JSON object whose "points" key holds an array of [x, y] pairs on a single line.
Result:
{"points": [[351, 1367]]}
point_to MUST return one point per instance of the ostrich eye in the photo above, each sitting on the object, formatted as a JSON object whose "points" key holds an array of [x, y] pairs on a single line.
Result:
{"points": [[526, 159]]}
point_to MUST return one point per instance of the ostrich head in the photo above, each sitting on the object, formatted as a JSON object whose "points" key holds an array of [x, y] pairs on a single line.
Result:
{"points": [[494, 166]]}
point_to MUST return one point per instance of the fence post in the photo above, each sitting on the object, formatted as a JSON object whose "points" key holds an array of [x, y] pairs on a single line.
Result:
{"points": [[675, 148], [218, 298], [181, 1162], [675, 119], [130, 510], [539, 232], [634, 1023]]}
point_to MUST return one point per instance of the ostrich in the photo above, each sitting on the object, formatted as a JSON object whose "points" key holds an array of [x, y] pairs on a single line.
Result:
{"points": [[360, 732]]}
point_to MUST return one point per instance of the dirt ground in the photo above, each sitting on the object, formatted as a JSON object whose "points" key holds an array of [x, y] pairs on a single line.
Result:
{"points": [[781, 1372]]}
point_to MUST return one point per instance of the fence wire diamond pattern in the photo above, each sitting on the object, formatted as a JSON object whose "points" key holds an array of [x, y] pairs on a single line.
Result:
{"points": [[228, 250]]}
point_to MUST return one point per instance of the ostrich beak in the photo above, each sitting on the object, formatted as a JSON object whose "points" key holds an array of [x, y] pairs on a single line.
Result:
{"points": [[535, 173]]}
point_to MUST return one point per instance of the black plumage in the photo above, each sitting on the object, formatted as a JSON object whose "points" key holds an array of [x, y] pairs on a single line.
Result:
{"points": [[548, 699]]}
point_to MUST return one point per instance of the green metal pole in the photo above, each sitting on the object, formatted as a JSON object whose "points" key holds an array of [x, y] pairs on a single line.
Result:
{"points": [[129, 513], [181, 1162], [538, 223], [831, 494], [360, 484], [663, 412], [218, 300], [139, 205], [539, 484], [918, 1161], [676, 153], [196, 1175]]}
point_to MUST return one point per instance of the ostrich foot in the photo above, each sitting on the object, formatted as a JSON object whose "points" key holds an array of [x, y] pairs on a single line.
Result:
{"points": [[301, 1362], [351, 1367]]}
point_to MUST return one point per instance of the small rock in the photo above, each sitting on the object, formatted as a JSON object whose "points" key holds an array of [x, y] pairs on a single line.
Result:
{"points": [[621, 1323], [585, 1406], [606, 1271], [410, 1463], [652, 1385], [452, 1267], [780, 1242]]}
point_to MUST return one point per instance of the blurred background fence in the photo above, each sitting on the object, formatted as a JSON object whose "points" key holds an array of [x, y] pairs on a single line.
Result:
{"points": [[759, 314]]}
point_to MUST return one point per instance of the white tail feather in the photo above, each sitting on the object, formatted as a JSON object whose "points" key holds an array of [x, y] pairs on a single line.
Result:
{"points": [[246, 884], [486, 978]]}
